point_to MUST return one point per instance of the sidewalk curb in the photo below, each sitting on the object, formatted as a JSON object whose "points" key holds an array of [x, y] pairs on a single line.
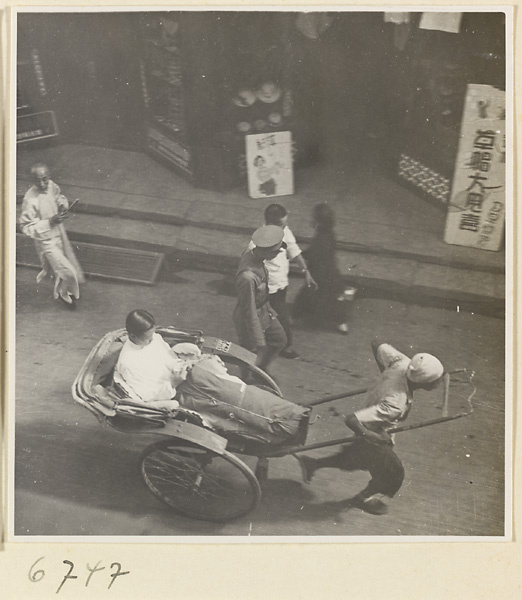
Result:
{"points": [[155, 217], [368, 287]]}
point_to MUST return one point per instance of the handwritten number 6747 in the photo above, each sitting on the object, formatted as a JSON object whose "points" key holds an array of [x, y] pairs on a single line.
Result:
{"points": [[37, 575]]}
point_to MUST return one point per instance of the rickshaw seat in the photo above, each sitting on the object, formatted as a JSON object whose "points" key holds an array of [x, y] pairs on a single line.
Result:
{"points": [[105, 369]]}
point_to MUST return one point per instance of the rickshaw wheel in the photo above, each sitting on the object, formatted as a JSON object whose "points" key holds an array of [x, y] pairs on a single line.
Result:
{"points": [[199, 483]]}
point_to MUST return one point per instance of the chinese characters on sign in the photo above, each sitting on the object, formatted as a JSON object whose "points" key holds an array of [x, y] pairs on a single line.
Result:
{"points": [[477, 205], [269, 164]]}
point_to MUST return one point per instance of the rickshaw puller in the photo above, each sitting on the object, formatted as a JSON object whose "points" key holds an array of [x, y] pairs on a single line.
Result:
{"points": [[388, 401]]}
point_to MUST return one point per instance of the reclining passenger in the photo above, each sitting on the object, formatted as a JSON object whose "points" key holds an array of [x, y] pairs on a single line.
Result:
{"points": [[148, 371], [228, 404]]}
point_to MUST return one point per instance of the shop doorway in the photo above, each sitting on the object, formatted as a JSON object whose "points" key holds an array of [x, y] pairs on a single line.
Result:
{"points": [[91, 65], [339, 79]]}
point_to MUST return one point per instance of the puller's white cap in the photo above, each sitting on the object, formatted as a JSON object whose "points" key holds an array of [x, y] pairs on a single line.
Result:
{"points": [[424, 368]]}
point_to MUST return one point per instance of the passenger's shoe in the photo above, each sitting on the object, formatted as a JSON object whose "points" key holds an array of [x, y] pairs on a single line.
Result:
{"points": [[289, 353], [373, 505], [307, 465], [343, 328], [70, 305]]}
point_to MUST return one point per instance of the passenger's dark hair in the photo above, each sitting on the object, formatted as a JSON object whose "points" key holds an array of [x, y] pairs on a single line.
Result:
{"points": [[324, 217], [274, 213], [139, 321]]}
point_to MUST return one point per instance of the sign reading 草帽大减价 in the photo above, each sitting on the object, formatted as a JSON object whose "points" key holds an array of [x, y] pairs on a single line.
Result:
{"points": [[476, 210]]}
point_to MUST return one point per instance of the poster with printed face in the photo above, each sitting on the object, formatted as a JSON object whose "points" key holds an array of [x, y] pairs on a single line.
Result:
{"points": [[269, 164], [476, 211]]}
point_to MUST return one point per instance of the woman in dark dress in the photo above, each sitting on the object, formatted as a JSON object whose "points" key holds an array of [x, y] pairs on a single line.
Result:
{"points": [[330, 303]]}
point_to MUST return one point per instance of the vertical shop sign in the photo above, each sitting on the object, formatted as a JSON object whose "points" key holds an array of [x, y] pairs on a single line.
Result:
{"points": [[144, 89], [38, 71], [476, 210], [269, 164]]}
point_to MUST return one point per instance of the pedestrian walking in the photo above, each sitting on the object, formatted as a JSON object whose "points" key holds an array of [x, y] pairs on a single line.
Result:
{"points": [[44, 209], [388, 401], [330, 303], [256, 322], [278, 269]]}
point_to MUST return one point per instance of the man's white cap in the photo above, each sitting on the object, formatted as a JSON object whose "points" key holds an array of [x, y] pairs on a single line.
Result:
{"points": [[424, 368], [268, 236]]}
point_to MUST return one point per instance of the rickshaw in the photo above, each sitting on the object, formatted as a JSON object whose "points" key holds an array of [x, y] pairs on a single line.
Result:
{"points": [[194, 468]]}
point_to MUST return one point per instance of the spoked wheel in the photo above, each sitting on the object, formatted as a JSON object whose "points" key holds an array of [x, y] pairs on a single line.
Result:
{"points": [[199, 483]]}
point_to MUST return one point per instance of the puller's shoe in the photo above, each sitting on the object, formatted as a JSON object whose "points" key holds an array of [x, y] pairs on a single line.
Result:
{"points": [[373, 505], [70, 305]]}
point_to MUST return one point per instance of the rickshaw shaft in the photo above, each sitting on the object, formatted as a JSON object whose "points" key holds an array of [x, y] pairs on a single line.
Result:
{"points": [[333, 397], [359, 391], [353, 438]]}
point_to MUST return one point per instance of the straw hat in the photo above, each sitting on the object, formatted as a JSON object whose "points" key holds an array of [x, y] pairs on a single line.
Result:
{"points": [[244, 98], [244, 126], [275, 119], [269, 92]]}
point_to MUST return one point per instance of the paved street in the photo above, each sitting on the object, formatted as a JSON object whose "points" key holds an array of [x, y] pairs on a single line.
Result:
{"points": [[76, 477]]}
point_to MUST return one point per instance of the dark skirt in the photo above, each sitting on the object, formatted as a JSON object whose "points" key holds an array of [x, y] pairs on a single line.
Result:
{"points": [[322, 306]]}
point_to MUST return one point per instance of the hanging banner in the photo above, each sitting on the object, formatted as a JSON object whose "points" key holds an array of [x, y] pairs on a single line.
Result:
{"points": [[441, 21], [269, 164], [476, 210]]}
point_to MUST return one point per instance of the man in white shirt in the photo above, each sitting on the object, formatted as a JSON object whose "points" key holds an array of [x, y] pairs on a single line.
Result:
{"points": [[278, 269], [388, 401]]}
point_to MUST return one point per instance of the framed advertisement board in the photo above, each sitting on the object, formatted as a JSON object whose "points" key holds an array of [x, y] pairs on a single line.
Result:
{"points": [[269, 164]]}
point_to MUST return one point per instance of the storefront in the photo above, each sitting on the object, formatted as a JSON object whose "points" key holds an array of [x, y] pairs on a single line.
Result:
{"points": [[89, 68], [188, 87]]}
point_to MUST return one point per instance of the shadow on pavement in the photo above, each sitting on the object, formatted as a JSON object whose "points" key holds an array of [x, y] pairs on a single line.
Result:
{"points": [[98, 471], [287, 500]]}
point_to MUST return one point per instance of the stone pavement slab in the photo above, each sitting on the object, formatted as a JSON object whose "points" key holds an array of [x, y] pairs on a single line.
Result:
{"points": [[478, 283], [245, 218], [125, 232], [368, 266], [214, 244]]}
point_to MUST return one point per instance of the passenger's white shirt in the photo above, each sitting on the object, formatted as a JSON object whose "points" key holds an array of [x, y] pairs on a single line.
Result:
{"points": [[149, 372], [279, 267]]}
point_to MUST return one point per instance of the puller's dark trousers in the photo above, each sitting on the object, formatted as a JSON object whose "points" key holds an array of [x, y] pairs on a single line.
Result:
{"points": [[383, 464]]}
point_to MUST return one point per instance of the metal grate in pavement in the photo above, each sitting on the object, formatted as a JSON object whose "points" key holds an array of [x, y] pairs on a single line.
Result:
{"points": [[108, 262]]}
